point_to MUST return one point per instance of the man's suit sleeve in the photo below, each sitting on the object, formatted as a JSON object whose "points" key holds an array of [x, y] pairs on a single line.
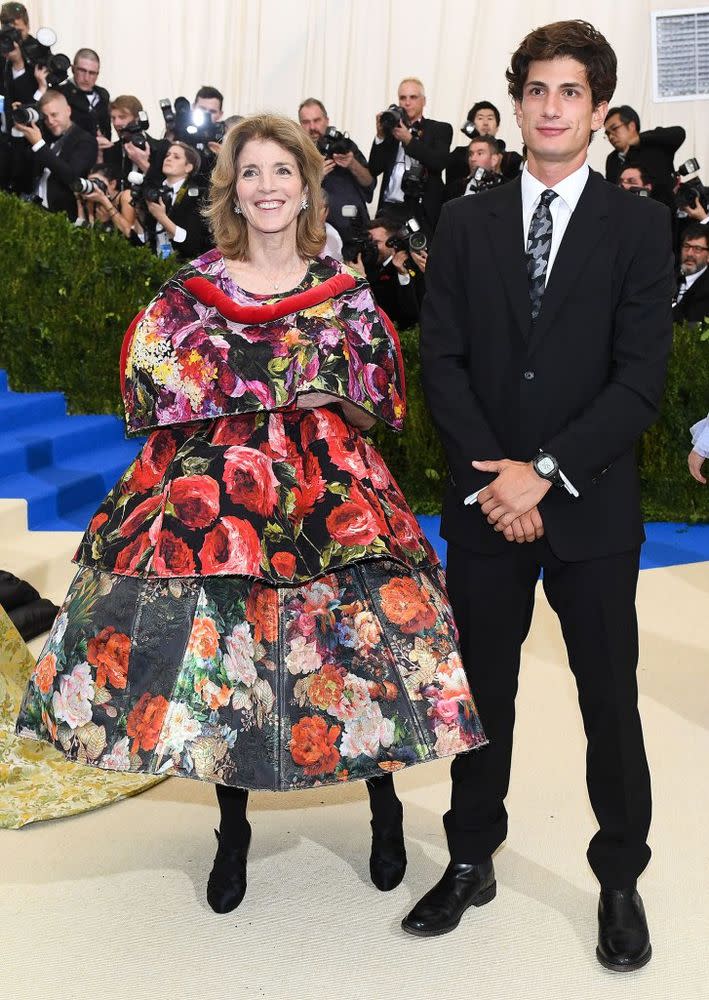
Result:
{"points": [[670, 138], [629, 403], [445, 332], [187, 216], [366, 189], [77, 162], [381, 154], [433, 149]]}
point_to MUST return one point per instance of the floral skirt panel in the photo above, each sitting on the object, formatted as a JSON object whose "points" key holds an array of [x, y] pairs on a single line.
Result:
{"points": [[240, 682], [281, 496]]}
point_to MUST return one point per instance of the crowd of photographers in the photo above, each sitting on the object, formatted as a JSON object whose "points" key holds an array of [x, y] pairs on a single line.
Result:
{"points": [[67, 145]]}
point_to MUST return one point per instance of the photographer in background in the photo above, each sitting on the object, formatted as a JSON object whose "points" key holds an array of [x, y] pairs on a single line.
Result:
{"points": [[653, 150], [18, 85], [484, 159], [346, 176], [135, 148], [482, 119], [102, 204], [59, 161], [411, 152], [175, 207], [692, 299], [396, 285], [635, 180]]}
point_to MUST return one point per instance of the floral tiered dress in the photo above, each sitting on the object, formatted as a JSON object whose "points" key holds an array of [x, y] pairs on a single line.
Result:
{"points": [[255, 604]]}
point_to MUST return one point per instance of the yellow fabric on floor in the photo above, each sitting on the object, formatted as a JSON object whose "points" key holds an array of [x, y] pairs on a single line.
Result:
{"points": [[36, 781]]}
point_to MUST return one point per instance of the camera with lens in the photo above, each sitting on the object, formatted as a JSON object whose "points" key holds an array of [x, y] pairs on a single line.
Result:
{"points": [[393, 116], [37, 52], [414, 179], [691, 191], [334, 141], [136, 132], [468, 128], [9, 38], [484, 180], [361, 244], [142, 193], [191, 125], [409, 237], [83, 186], [26, 114]]}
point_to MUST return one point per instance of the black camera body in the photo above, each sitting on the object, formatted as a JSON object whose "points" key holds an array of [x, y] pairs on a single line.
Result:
{"points": [[484, 180], [468, 128], [391, 117], [334, 141], [37, 52], [413, 180], [409, 237], [136, 132], [9, 37], [692, 191], [191, 125]]}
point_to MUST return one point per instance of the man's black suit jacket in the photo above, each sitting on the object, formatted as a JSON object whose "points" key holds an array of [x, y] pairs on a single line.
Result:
{"points": [[86, 116], [582, 382], [73, 159], [694, 305], [431, 149], [655, 154], [186, 214]]}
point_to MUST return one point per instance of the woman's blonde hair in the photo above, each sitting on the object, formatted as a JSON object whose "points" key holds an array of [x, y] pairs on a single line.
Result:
{"points": [[229, 229]]}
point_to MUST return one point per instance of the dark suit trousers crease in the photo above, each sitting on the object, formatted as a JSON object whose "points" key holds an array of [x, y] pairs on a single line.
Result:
{"points": [[493, 599]]}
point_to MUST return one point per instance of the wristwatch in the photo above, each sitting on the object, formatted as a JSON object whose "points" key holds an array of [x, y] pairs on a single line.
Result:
{"points": [[547, 467]]}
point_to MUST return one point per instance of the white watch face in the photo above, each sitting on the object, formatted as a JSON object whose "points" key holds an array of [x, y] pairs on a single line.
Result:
{"points": [[546, 465]]}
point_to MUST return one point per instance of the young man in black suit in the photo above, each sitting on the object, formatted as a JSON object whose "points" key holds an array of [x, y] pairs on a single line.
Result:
{"points": [[545, 332], [418, 139]]}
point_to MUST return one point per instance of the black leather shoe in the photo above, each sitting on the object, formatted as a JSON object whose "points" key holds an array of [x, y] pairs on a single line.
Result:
{"points": [[440, 910], [227, 880], [387, 862], [623, 938]]}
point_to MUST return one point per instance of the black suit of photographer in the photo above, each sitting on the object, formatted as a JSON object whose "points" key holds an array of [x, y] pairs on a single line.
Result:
{"points": [[68, 157], [15, 166], [693, 307], [401, 303], [184, 211], [88, 117], [430, 148], [655, 154], [117, 158], [343, 188]]}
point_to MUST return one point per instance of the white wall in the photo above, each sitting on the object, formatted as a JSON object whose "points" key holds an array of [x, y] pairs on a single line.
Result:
{"points": [[270, 54]]}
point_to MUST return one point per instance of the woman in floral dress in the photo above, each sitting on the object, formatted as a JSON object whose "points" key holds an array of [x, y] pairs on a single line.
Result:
{"points": [[255, 604]]}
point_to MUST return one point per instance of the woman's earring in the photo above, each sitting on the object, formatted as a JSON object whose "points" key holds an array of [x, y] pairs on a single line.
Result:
{"points": [[304, 204], [237, 208]]}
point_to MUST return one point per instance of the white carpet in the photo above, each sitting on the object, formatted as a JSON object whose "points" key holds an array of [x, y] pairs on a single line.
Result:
{"points": [[111, 904]]}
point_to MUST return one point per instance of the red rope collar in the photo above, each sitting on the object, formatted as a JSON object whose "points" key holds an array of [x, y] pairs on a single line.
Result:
{"points": [[210, 295]]}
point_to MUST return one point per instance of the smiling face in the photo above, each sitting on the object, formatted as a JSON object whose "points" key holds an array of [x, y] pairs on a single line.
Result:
{"points": [[269, 187], [57, 114], [556, 113]]}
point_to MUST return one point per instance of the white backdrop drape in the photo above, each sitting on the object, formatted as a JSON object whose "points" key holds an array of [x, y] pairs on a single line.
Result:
{"points": [[270, 54]]}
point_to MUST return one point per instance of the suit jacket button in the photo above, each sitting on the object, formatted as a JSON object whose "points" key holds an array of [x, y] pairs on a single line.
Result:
{"points": [[529, 376]]}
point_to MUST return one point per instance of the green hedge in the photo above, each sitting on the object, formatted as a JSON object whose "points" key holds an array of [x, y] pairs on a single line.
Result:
{"points": [[69, 294]]}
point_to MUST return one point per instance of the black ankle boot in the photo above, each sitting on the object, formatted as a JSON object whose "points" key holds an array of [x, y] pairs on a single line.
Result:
{"points": [[227, 880], [387, 862]]}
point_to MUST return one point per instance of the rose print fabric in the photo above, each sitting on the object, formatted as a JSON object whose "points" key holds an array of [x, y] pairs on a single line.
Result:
{"points": [[185, 360], [255, 603], [281, 496], [234, 681]]}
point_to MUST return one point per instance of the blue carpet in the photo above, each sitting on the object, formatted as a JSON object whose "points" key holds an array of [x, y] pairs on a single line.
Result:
{"points": [[64, 466], [667, 544]]}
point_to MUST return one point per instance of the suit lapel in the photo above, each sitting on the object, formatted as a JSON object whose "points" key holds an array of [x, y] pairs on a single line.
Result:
{"points": [[506, 240], [587, 225]]}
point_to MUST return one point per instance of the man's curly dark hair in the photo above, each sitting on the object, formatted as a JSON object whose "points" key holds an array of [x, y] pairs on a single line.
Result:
{"points": [[577, 39]]}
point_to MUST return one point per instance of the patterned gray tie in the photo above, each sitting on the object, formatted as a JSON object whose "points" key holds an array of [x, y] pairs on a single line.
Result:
{"points": [[538, 247]]}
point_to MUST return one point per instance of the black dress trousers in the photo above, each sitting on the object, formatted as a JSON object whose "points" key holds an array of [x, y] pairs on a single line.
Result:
{"points": [[493, 598]]}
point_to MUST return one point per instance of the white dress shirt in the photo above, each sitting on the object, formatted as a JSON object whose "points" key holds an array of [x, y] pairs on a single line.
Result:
{"points": [[700, 437], [569, 191]]}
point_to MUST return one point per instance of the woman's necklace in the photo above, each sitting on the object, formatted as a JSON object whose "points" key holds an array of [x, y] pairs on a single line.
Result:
{"points": [[278, 283]]}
